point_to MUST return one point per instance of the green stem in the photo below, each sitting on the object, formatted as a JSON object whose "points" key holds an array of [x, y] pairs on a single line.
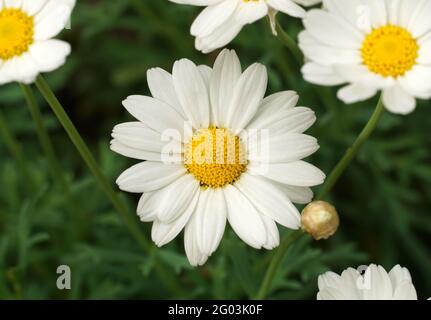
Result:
{"points": [[48, 148], [290, 43], [275, 263], [327, 187], [15, 149], [169, 280], [351, 153]]}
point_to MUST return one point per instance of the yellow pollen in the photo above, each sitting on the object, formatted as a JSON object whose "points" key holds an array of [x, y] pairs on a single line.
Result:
{"points": [[390, 51], [215, 157], [16, 33]]}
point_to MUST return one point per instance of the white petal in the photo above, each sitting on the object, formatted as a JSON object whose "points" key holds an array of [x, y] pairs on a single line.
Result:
{"points": [[282, 148], [405, 291], [247, 97], [301, 195], [321, 74], [227, 70], [197, 2], [380, 287], [298, 173], [251, 11], [293, 120], [332, 30], [49, 54], [195, 256], [163, 233], [149, 176], [176, 197], [326, 54], [162, 88], [139, 136], [287, 7], [244, 218], [398, 101], [140, 154], [210, 218], [212, 17], [154, 113], [269, 200], [147, 206], [192, 93], [53, 17], [219, 37], [355, 92], [420, 23], [272, 234]]}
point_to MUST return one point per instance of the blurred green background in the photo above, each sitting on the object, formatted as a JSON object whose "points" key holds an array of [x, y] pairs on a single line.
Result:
{"points": [[384, 198]]}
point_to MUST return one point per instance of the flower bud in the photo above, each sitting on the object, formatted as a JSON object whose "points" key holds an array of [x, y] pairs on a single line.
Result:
{"points": [[320, 220]]}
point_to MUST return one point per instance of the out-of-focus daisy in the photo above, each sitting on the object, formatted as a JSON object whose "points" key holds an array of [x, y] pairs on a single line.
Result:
{"points": [[221, 21], [26, 31], [373, 283], [216, 170], [372, 46]]}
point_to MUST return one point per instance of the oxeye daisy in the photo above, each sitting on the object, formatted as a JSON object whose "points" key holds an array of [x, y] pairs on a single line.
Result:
{"points": [[221, 21], [372, 46], [26, 31], [372, 283], [217, 151]]}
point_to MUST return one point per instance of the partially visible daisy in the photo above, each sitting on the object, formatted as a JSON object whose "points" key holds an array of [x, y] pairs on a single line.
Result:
{"points": [[215, 170], [374, 284], [26, 31], [372, 46], [221, 21]]}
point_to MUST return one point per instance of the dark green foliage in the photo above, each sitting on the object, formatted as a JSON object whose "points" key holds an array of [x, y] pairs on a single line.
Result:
{"points": [[384, 198]]}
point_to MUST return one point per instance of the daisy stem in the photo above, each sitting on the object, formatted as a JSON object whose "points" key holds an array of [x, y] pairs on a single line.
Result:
{"points": [[289, 42], [351, 153], [275, 263], [15, 149], [166, 276], [48, 148]]}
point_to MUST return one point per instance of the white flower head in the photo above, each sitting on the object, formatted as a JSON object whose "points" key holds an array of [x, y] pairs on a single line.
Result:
{"points": [[26, 31], [216, 150], [372, 46], [221, 21], [367, 283]]}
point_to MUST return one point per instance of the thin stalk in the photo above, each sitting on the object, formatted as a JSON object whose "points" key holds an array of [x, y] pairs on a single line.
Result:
{"points": [[167, 277], [289, 42], [276, 262], [15, 149], [351, 153], [327, 187], [48, 148]]}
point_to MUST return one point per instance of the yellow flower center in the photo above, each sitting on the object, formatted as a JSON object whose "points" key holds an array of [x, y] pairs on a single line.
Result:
{"points": [[390, 51], [16, 33], [215, 157]]}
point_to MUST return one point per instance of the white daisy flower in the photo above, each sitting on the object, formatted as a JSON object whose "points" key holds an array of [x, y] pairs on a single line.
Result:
{"points": [[221, 21], [215, 170], [371, 45], [26, 31], [373, 284]]}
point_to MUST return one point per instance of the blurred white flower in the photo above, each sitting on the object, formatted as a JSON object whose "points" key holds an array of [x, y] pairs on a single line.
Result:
{"points": [[374, 284], [371, 45], [26, 29], [221, 21], [215, 170]]}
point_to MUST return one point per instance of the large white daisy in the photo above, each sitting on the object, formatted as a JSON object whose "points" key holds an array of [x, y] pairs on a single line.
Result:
{"points": [[373, 283], [221, 21], [371, 45], [26, 31], [213, 170]]}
